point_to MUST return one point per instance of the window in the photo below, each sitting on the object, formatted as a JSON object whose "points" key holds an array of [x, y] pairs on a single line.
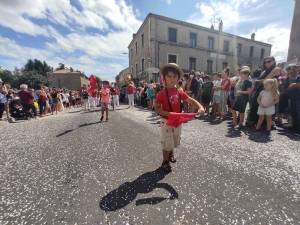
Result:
{"points": [[210, 43], [192, 63], [172, 58], [209, 66], [262, 53], [142, 37], [251, 51], [131, 53], [239, 49], [135, 47], [226, 46], [136, 70], [224, 65], [172, 35], [193, 39], [132, 69], [143, 64]]}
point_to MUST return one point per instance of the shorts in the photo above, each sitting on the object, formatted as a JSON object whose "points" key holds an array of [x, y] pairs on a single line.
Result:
{"points": [[266, 111], [54, 100], [231, 95], [217, 99], [170, 136], [206, 99], [240, 105], [104, 105]]}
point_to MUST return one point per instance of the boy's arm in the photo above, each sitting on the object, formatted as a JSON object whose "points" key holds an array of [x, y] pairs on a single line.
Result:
{"points": [[161, 112], [249, 90], [195, 104]]}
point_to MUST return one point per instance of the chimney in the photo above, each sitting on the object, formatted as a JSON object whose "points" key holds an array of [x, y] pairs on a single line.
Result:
{"points": [[133, 36], [221, 26], [253, 36]]}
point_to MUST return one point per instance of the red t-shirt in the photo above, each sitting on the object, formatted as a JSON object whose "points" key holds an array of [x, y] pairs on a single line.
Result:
{"points": [[94, 94], [227, 88], [130, 90], [116, 91], [175, 96]]}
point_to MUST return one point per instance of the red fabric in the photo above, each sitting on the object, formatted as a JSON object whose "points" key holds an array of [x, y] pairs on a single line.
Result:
{"points": [[94, 94], [176, 119], [117, 91], [227, 88], [174, 98], [93, 84], [130, 90]]}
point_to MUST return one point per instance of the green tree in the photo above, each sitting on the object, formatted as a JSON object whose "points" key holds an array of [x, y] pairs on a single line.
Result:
{"points": [[33, 78], [29, 65], [6, 76]]}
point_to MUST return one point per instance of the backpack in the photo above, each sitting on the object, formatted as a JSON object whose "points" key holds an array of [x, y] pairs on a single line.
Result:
{"points": [[85, 94]]}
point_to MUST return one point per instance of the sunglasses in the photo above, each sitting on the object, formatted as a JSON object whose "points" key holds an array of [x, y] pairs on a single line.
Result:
{"points": [[268, 61]]}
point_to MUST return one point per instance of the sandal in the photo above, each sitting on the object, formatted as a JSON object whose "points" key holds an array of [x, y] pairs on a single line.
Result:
{"points": [[172, 158], [166, 166]]}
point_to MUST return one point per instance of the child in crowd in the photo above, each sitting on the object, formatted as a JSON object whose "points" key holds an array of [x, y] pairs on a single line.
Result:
{"points": [[267, 100], [105, 100], [206, 93], [168, 101], [245, 88], [216, 95], [55, 100]]}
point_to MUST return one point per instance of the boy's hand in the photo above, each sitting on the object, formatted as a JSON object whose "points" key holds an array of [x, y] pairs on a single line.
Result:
{"points": [[201, 111], [261, 106]]}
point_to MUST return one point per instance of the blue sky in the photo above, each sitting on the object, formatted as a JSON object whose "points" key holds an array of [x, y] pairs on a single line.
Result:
{"points": [[90, 35]]}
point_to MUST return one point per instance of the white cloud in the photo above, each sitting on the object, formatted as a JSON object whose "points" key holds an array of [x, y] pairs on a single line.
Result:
{"points": [[168, 2], [113, 24], [277, 36]]}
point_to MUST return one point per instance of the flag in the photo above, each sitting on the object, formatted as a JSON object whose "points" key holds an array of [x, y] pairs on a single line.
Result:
{"points": [[176, 119], [93, 84]]}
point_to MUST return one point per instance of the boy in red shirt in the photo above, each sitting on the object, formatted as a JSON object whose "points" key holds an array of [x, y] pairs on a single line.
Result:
{"points": [[105, 100], [167, 101]]}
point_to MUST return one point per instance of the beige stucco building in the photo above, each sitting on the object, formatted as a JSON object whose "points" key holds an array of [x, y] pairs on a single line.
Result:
{"points": [[160, 40], [67, 78], [294, 46]]}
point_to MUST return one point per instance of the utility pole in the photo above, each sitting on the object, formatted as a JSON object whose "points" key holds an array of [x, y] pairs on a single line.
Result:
{"points": [[214, 24]]}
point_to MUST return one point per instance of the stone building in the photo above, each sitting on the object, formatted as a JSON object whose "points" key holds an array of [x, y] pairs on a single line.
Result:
{"points": [[67, 78], [119, 78], [160, 40], [294, 47]]}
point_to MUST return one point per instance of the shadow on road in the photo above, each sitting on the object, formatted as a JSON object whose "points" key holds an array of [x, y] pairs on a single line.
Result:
{"points": [[79, 126], [127, 192]]}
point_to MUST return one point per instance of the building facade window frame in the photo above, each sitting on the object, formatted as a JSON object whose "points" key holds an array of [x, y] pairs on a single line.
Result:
{"points": [[136, 69], [240, 49], [136, 47], [251, 51], [143, 64], [226, 44], [192, 63], [142, 39], [224, 65], [172, 54], [193, 39], [209, 66], [262, 53], [173, 31], [210, 42], [131, 53]]}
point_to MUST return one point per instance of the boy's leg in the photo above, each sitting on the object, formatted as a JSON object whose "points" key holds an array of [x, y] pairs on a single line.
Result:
{"points": [[219, 108], [106, 110]]}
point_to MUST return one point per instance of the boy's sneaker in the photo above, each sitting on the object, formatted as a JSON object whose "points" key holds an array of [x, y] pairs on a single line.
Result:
{"points": [[166, 166], [101, 119], [106, 119]]}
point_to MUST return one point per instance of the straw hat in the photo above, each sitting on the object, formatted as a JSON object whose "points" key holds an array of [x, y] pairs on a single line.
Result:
{"points": [[174, 65]]}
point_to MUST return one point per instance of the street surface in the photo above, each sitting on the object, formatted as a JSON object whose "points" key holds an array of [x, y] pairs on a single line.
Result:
{"points": [[70, 169]]}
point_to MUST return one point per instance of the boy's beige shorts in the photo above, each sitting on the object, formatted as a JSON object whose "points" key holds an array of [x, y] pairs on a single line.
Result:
{"points": [[170, 136]]}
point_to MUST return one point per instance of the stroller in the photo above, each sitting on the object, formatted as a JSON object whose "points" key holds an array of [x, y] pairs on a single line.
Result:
{"points": [[16, 109]]}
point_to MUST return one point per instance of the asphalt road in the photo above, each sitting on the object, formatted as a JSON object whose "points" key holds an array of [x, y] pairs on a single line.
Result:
{"points": [[70, 169]]}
